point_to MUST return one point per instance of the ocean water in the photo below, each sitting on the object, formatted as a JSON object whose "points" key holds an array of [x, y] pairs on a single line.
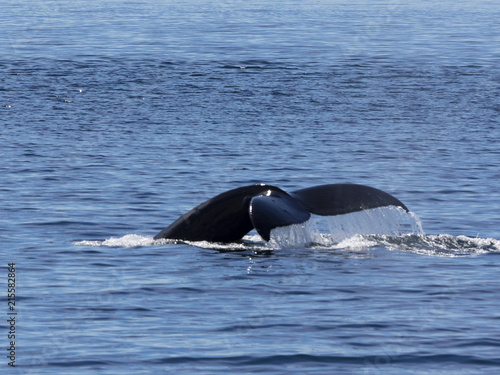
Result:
{"points": [[118, 116]]}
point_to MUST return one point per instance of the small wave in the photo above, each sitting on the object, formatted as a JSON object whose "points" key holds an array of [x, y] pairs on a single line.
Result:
{"points": [[444, 245], [304, 358], [353, 232]]}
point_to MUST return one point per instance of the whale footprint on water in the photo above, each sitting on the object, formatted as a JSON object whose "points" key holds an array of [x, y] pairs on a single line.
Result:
{"points": [[227, 217]]}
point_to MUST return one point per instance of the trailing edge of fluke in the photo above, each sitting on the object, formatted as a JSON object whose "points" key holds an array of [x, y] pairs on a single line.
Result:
{"points": [[230, 215]]}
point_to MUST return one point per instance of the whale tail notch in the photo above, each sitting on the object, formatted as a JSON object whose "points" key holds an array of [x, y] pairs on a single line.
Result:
{"points": [[277, 209], [232, 214]]}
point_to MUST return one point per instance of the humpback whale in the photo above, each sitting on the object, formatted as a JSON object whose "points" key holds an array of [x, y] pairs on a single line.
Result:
{"points": [[227, 217]]}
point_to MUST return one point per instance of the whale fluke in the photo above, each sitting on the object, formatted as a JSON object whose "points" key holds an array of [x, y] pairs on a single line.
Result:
{"points": [[229, 216]]}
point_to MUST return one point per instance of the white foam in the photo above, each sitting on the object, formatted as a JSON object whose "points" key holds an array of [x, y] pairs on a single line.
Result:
{"points": [[254, 242], [234, 246], [356, 243], [129, 240], [444, 245], [390, 227]]}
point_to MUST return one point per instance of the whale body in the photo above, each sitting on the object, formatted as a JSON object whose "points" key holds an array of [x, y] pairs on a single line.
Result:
{"points": [[227, 217]]}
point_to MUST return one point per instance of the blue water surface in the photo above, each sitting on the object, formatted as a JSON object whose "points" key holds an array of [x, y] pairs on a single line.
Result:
{"points": [[118, 116]]}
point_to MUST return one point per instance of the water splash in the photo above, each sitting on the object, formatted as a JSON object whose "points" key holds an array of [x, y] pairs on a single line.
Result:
{"points": [[307, 236], [388, 227], [392, 221], [296, 236]]}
